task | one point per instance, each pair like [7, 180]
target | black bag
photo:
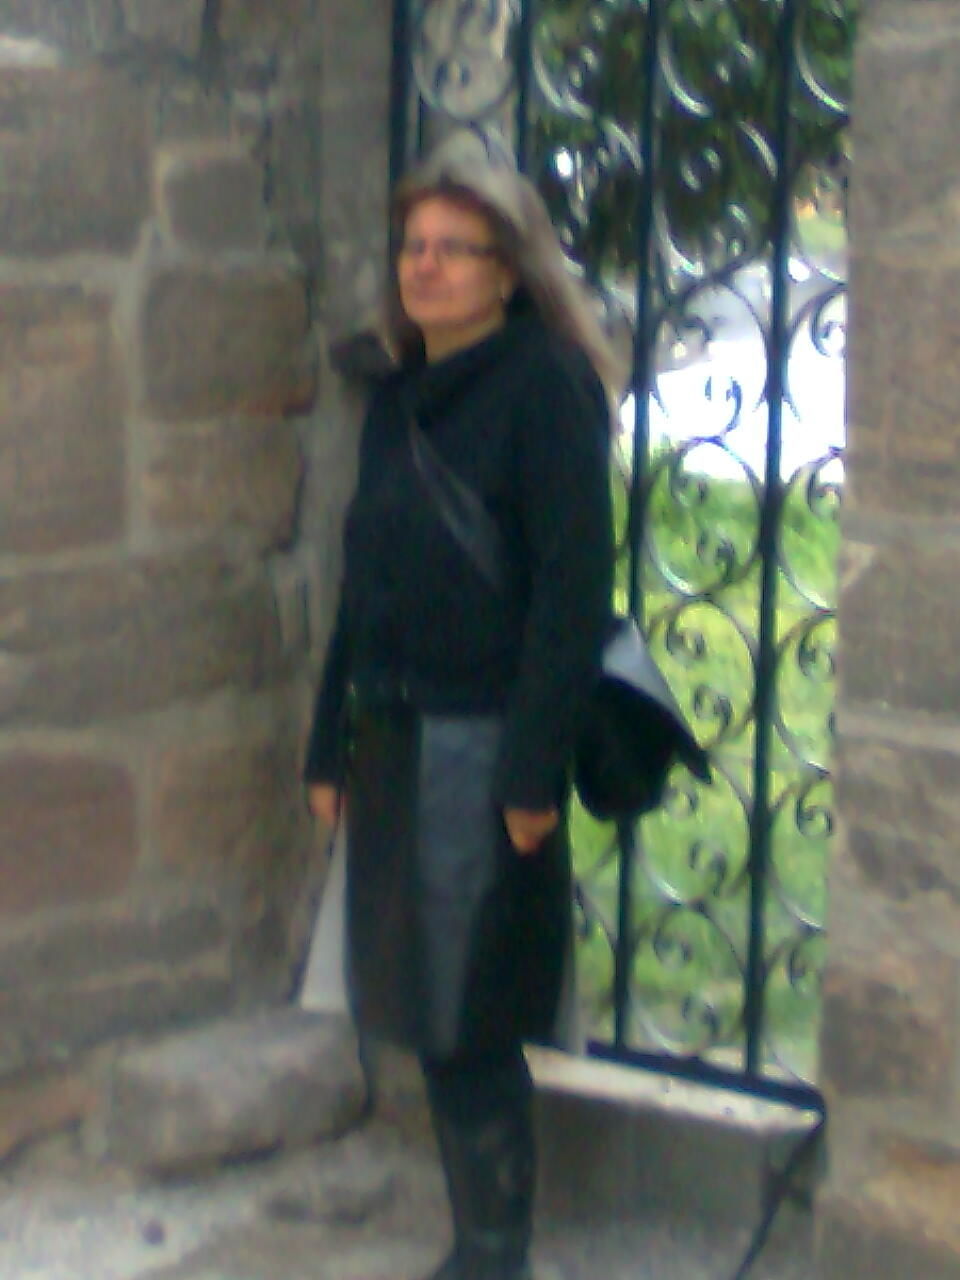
[633, 730]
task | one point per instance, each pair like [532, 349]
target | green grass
[691, 910]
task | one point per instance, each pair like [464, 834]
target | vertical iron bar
[637, 501]
[623, 956]
[524, 77]
[770, 515]
[400, 89]
[641, 375]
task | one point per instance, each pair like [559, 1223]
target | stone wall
[891, 1058]
[192, 204]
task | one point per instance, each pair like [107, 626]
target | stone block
[62, 447]
[93, 944]
[297, 201]
[186, 111]
[34, 1106]
[70, 981]
[27, 51]
[220, 812]
[867, 916]
[920, 1177]
[888, 1027]
[49, 1025]
[356, 52]
[906, 870]
[860, 1240]
[90, 645]
[904, 385]
[899, 1220]
[907, 161]
[230, 819]
[68, 831]
[64, 23]
[898, 619]
[170, 25]
[230, 340]
[210, 197]
[73, 155]
[250, 20]
[239, 480]
[901, 787]
[275, 1079]
[901, 807]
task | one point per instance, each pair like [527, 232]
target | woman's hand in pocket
[528, 828]
[324, 801]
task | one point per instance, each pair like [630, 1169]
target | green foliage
[691, 908]
[710, 81]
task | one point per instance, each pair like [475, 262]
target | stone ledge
[635, 1088]
[622, 1142]
[281, 1078]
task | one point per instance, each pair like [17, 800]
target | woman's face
[453, 285]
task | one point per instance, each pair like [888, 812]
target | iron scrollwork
[694, 156]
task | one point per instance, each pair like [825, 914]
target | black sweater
[522, 418]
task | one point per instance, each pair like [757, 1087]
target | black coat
[520, 417]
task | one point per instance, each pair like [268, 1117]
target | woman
[460, 698]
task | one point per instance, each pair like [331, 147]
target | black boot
[487, 1151]
[450, 1269]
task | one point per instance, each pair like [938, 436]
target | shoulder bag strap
[460, 508]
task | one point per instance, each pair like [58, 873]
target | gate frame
[408, 115]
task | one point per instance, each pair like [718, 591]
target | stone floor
[366, 1207]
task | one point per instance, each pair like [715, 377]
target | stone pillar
[188, 213]
[890, 1060]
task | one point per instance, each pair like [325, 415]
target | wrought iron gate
[693, 154]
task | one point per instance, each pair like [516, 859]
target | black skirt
[456, 943]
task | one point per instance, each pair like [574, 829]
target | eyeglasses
[446, 250]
